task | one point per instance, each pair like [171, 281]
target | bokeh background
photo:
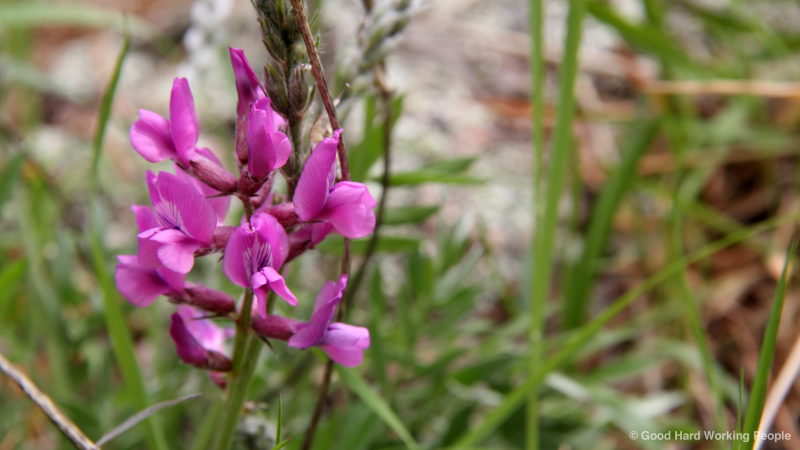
[696, 100]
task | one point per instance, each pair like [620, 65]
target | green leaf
[758, 392]
[514, 399]
[579, 284]
[371, 398]
[9, 176]
[367, 152]
[409, 214]
[389, 244]
[644, 37]
[11, 277]
[447, 172]
[121, 341]
[278, 430]
[38, 14]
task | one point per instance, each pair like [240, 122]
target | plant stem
[537, 69]
[322, 88]
[544, 239]
[245, 358]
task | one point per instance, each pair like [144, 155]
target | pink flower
[347, 206]
[158, 139]
[269, 148]
[254, 254]
[219, 203]
[247, 85]
[183, 223]
[141, 285]
[199, 342]
[345, 344]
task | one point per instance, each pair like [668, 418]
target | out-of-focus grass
[629, 338]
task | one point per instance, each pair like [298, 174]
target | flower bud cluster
[287, 78]
[188, 212]
[377, 38]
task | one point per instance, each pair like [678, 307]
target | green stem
[245, 358]
[537, 68]
[544, 239]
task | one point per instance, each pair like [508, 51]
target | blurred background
[686, 131]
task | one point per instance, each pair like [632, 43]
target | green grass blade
[581, 336]
[644, 37]
[579, 286]
[121, 341]
[37, 14]
[758, 391]
[544, 238]
[280, 416]
[537, 68]
[360, 387]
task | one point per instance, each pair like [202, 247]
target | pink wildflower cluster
[187, 221]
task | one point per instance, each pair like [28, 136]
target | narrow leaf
[140, 416]
[758, 392]
[360, 387]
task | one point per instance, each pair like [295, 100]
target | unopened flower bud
[285, 215]
[299, 89]
[273, 327]
[213, 175]
[207, 299]
[221, 236]
[276, 90]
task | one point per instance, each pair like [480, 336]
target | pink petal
[316, 179]
[145, 217]
[314, 331]
[277, 284]
[237, 248]
[148, 248]
[259, 140]
[283, 148]
[220, 205]
[349, 209]
[330, 291]
[343, 335]
[207, 333]
[139, 285]
[259, 281]
[247, 85]
[346, 356]
[181, 206]
[176, 251]
[273, 233]
[175, 280]
[184, 127]
[151, 138]
[189, 350]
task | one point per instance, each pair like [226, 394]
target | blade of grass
[37, 14]
[643, 37]
[140, 416]
[758, 392]
[121, 341]
[580, 283]
[372, 399]
[544, 238]
[581, 336]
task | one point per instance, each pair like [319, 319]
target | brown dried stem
[327, 100]
[64, 425]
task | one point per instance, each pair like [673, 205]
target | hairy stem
[322, 88]
[246, 348]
